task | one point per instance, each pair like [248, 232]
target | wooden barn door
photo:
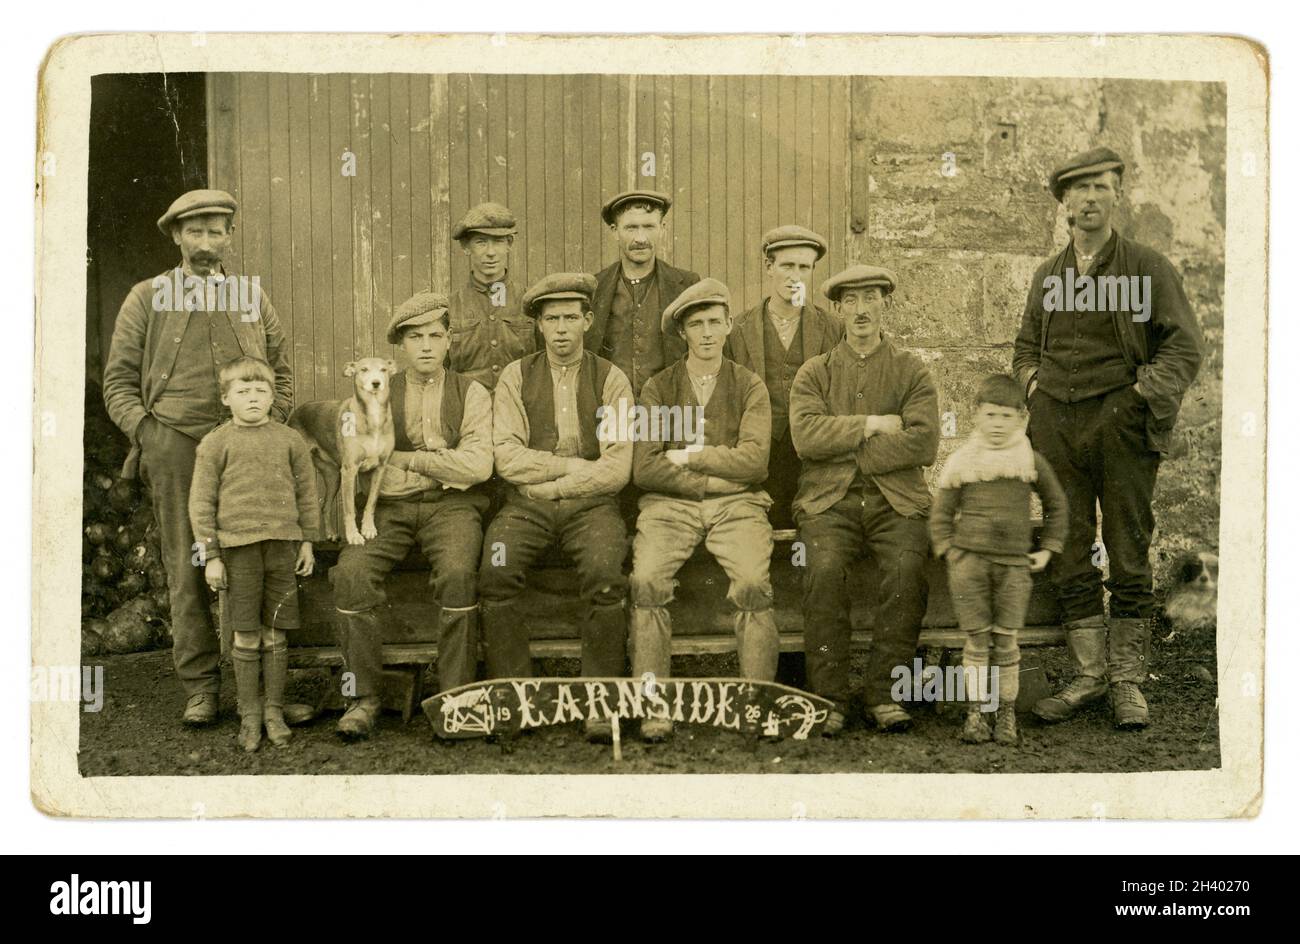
[348, 184]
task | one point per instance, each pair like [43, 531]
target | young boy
[253, 509]
[980, 524]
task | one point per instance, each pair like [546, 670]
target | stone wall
[948, 188]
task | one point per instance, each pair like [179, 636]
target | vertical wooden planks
[255, 178]
[440, 274]
[477, 114]
[420, 122]
[753, 164]
[399, 133]
[323, 166]
[859, 168]
[553, 90]
[574, 127]
[735, 239]
[362, 218]
[297, 241]
[516, 171]
[663, 146]
[801, 140]
[223, 152]
[343, 254]
[588, 208]
[535, 212]
[458, 165]
[837, 124]
[683, 171]
[697, 200]
[381, 213]
[496, 118]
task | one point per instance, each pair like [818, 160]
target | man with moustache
[775, 337]
[1104, 388]
[432, 495]
[708, 490]
[563, 486]
[488, 329]
[161, 388]
[631, 294]
[865, 420]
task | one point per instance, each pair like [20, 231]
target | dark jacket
[831, 398]
[672, 282]
[144, 347]
[1164, 351]
[821, 333]
[737, 432]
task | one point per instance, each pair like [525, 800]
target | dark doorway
[148, 145]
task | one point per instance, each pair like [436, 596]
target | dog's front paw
[355, 537]
[368, 529]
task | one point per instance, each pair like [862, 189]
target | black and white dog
[1193, 602]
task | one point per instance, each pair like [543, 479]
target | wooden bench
[701, 616]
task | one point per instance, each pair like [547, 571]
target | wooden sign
[507, 706]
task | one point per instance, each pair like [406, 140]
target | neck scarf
[977, 460]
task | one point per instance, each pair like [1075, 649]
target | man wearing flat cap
[703, 481]
[563, 481]
[161, 388]
[433, 496]
[865, 421]
[488, 328]
[631, 294]
[1107, 347]
[775, 337]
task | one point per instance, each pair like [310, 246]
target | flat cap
[196, 203]
[661, 200]
[859, 276]
[703, 292]
[786, 237]
[1097, 161]
[490, 218]
[420, 309]
[559, 285]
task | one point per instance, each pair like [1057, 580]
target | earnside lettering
[76, 897]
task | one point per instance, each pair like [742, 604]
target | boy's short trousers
[987, 594]
[261, 587]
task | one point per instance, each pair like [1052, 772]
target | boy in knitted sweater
[253, 509]
[980, 524]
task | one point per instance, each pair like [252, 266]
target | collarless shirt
[424, 409]
[564, 378]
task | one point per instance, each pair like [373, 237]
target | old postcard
[646, 426]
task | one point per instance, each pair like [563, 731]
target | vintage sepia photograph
[460, 413]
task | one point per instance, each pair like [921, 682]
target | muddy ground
[137, 732]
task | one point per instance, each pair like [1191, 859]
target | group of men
[785, 414]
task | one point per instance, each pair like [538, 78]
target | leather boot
[359, 721]
[248, 672]
[275, 668]
[363, 655]
[1129, 662]
[505, 640]
[1085, 639]
[650, 644]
